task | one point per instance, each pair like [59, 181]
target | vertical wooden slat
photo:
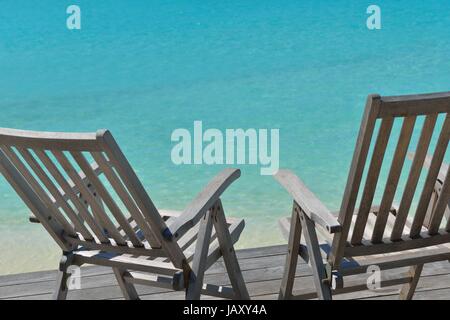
[98, 211]
[438, 157]
[290, 266]
[148, 209]
[393, 178]
[372, 179]
[39, 190]
[447, 215]
[199, 260]
[432, 204]
[25, 173]
[315, 258]
[188, 244]
[408, 289]
[74, 218]
[115, 182]
[354, 177]
[31, 199]
[128, 289]
[441, 205]
[413, 177]
[79, 205]
[106, 197]
[228, 253]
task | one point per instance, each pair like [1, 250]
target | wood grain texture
[361, 240]
[263, 281]
[52, 175]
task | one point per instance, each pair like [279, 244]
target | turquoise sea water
[145, 68]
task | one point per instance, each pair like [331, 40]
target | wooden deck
[262, 269]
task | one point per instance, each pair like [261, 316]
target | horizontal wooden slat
[49, 140]
[424, 104]
[388, 246]
[128, 262]
[262, 278]
[390, 261]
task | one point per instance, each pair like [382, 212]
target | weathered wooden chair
[100, 214]
[384, 235]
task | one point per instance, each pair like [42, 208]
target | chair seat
[360, 263]
[125, 261]
[325, 237]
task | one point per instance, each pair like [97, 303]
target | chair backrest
[381, 113]
[72, 182]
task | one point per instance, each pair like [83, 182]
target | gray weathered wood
[72, 195]
[44, 196]
[315, 258]
[306, 200]
[384, 237]
[128, 289]
[106, 198]
[229, 255]
[372, 180]
[432, 176]
[100, 215]
[199, 262]
[413, 177]
[290, 265]
[393, 179]
[354, 177]
[442, 204]
[94, 228]
[204, 200]
[427, 163]
[420, 104]
[63, 276]
[408, 289]
[262, 270]
[33, 202]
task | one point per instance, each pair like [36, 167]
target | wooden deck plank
[88, 271]
[262, 270]
[254, 269]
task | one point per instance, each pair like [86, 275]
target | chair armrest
[426, 164]
[203, 202]
[307, 201]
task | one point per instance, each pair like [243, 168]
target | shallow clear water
[145, 68]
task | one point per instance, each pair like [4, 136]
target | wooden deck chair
[385, 236]
[82, 189]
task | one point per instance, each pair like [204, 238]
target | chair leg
[290, 266]
[228, 253]
[408, 289]
[315, 258]
[128, 290]
[197, 273]
[63, 277]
